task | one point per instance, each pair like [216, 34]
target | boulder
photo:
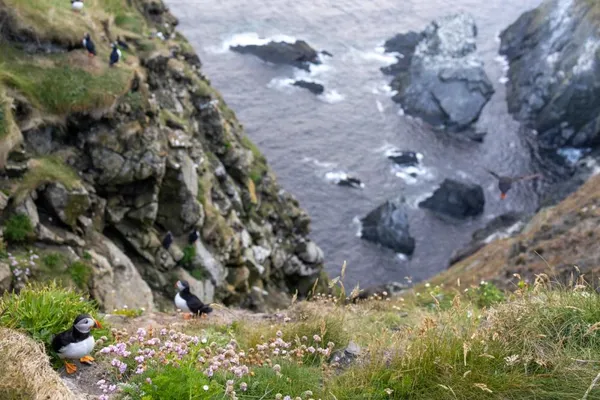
[29, 208]
[309, 252]
[313, 87]
[204, 259]
[298, 54]
[405, 158]
[67, 205]
[456, 199]
[553, 53]
[388, 225]
[440, 79]
[115, 281]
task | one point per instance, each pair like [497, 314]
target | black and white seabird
[89, 45]
[505, 182]
[168, 240]
[188, 302]
[193, 236]
[115, 55]
[77, 5]
[77, 342]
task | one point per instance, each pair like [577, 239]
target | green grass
[18, 229]
[81, 274]
[259, 167]
[129, 312]
[58, 85]
[46, 170]
[53, 260]
[45, 310]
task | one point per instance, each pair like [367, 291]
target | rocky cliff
[100, 162]
[554, 87]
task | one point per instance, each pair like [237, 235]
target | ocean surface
[307, 139]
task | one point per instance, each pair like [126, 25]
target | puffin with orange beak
[77, 342]
[505, 182]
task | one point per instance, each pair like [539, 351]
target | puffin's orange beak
[98, 325]
[502, 196]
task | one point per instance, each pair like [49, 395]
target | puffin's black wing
[527, 177]
[195, 305]
[62, 339]
[495, 175]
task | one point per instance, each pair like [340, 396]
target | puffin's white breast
[77, 349]
[181, 304]
[77, 5]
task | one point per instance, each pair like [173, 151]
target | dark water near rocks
[349, 128]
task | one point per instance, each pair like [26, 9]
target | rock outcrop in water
[388, 225]
[456, 199]
[313, 87]
[150, 147]
[554, 77]
[298, 54]
[439, 77]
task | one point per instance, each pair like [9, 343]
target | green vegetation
[53, 260]
[44, 310]
[129, 312]
[259, 167]
[18, 228]
[81, 273]
[46, 170]
[189, 253]
[63, 83]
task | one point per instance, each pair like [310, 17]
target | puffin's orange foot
[70, 368]
[187, 316]
[86, 360]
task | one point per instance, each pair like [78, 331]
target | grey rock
[29, 208]
[67, 205]
[293, 266]
[309, 252]
[116, 282]
[298, 54]
[388, 225]
[440, 79]
[554, 72]
[313, 87]
[5, 277]
[456, 199]
[345, 358]
[3, 201]
[206, 260]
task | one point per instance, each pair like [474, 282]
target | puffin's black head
[85, 322]
[182, 285]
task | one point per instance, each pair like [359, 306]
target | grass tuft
[46, 170]
[18, 229]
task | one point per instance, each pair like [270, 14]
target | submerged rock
[456, 199]
[439, 77]
[298, 54]
[553, 85]
[313, 87]
[405, 158]
[388, 225]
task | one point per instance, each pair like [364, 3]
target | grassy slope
[554, 241]
[435, 344]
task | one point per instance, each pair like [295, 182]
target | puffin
[188, 302]
[77, 5]
[115, 55]
[168, 240]
[193, 236]
[505, 182]
[77, 342]
[89, 45]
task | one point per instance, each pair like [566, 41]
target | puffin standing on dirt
[77, 342]
[505, 182]
[89, 45]
[193, 236]
[167, 240]
[115, 55]
[189, 303]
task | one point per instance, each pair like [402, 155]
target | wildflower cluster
[21, 267]
[140, 360]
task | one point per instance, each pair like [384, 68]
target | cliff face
[104, 161]
[554, 76]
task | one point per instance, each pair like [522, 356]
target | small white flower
[428, 284]
[205, 387]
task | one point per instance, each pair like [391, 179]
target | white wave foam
[356, 221]
[250, 38]
[503, 80]
[320, 164]
[401, 257]
[380, 107]
[332, 97]
[394, 151]
[413, 202]
[338, 176]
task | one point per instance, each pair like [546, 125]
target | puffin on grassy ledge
[77, 342]
[188, 302]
